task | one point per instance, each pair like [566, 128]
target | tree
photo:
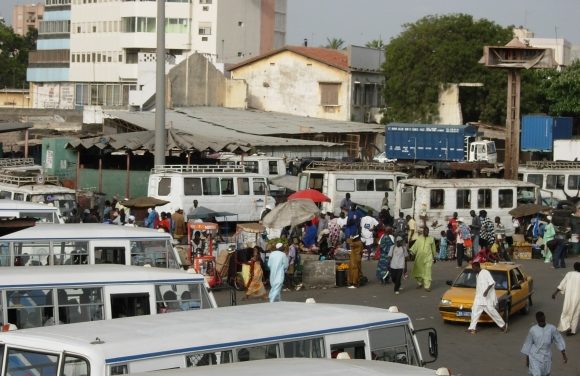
[376, 43]
[562, 90]
[14, 56]
[334, 43]
[439, 50]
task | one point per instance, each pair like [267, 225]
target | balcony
[53, 58]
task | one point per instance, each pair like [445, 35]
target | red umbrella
[310, 194]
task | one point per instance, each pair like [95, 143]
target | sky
[359, 21]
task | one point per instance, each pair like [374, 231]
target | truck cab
[482, 151]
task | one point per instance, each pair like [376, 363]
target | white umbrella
[291, 213]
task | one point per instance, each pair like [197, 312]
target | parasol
[144, 202]
[291, 213]
[201, 212]
[529, 209]
[310, 194]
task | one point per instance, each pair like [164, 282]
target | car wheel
[526, 308]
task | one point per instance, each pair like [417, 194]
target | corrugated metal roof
[274, 123]
[14, 126]
[215, 135]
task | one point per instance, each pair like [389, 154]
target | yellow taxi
[513, 288]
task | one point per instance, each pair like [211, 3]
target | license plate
[462, 314]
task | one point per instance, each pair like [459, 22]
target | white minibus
[84, 243]
[367, 183]
[307, 367]
[557, 179]
[433, 201]
[52, 295]
[223, 189]
[22, 180]
[41, 212]
[221, 335]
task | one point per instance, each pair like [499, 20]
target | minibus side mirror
[433, 345]
[449, 282]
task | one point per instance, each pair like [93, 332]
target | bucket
[341, 279]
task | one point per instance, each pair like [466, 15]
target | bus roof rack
[10, 177]
[555, 165]
[16, 162]
[342, 166]
[188, 169]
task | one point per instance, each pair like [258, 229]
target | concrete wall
[449, 106]
[289, 83]
[14, 99]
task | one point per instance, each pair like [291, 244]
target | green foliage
[334, 43]
[375, 43]
[562, 90]
[438, 50]
[14, 56]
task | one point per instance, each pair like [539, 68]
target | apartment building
[26, 17]
[111, 44]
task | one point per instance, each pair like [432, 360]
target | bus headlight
[446, 302]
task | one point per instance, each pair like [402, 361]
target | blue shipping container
[537, 133]
[426, 141]
[562, 128]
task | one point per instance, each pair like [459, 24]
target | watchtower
[514, 57]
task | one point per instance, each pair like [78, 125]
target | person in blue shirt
[310, 235]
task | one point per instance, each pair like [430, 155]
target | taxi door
[519, 289]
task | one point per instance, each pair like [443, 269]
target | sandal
[471, 331]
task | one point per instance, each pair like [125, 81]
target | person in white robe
[278, 264]
[570, 287]
[538, 347]
[485, 299]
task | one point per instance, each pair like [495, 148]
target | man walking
[485, 300]
[570, 287]
[475, 228]
[398, 256]
[278, 264]
[368, 223]
[538, 347]
[400, 227]
[424, 251]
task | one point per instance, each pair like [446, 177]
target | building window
[329, 93]
[205, 1]
[205, 8]
[204, 28]
[204, 39]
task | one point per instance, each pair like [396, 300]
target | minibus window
[484, 198]
[463, 199]
[344, 185]
[23, 362]
[390, 344]
[526, 195]
[80, 305]
[110, 255]
[437, 199]
[259, 187]
[19, 196]
[273, 167]
[537, 179]
[164, 187]
[1, 356]
[365, 185]
[74, 366]
[129, 305]
[257, 353]
[356, 350]
[317, 182]
[192, 186]
[120, 369]
[384, 185]
[71, 253]
[211, 186]
[307, 348]
[5, 195]
[555, 181]
[303, 182]
[243, 186]
[182, 297]
[407, 198]
[574, 182]
[30, 308]
[31, 253]
[227, 186]
[506, 198]
[201, 359]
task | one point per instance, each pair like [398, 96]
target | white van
[67, 294]
[433, 201]
[22, 180]
[557, 179]
[367, 183]
[88, 243]
[219, 188]
[257, 163]
[18, 209]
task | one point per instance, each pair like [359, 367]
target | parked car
[513, 288]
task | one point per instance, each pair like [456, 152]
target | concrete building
[110, 45]
[562, 47]
[316, 82]
[26, 17]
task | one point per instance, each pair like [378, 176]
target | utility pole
[160, 134]
[514, 57]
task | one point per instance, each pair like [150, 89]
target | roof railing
[7, 177]
[16, 162]
[354, 166]
[192, 169]
[555, 165]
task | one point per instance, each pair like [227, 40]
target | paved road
[489, 352]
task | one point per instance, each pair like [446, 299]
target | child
[450, 235]
[443, 247]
